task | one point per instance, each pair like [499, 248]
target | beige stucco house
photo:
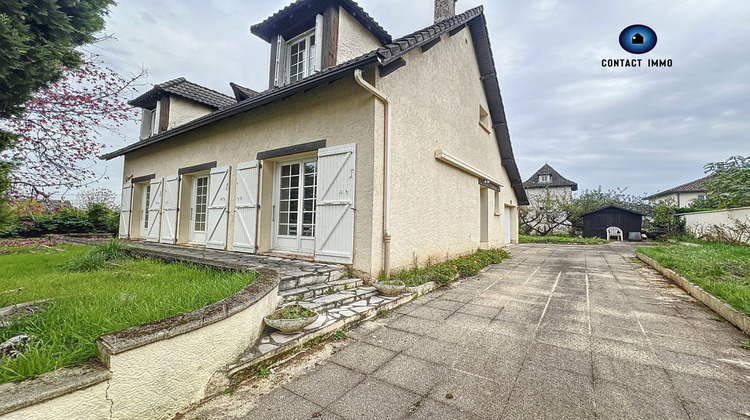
[363, 150]
[681, 195]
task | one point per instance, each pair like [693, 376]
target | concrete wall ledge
[132, 338]
[49, 385]
[152, 371]
[737, 318]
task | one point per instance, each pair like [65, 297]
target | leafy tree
[663, 218]
[545, 214]
[729, 183]
[59, 131]
[37, 40]
[103, 196]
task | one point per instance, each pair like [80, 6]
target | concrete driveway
[556, 332]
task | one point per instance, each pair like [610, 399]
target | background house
[363, 150]
[545, 187]
[681, 195]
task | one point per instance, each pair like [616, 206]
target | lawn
[722, 270]
[125, 293]
[559, 239]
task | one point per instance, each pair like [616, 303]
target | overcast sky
[644, 129]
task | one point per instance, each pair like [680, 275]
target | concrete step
[309, 292]
[296, 280]
[327, 302]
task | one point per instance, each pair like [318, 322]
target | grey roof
[241, 93]
[692, 186]
[556, 180]
[614, 207]
[188, 90]
[269, 27]
[474, 19]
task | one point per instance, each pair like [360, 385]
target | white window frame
[545, 178]
[310, 65]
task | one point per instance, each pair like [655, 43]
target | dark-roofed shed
[595, 223]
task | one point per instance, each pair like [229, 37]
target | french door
[199, 209]
[145, 203]
[295, 192]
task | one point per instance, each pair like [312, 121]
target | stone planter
[390, 289]
[289, 325]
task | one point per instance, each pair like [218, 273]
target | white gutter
[386, 167]
[466, 167]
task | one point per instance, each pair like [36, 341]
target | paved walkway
[556, 332]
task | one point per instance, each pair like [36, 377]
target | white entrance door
[507, 224]
[145, 203]
[295, 206]
[199, 209]
[246, 207]
[335, 241]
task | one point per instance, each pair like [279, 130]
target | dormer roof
[556, 180]
[241, 93]
[185, 89]
[297, 12]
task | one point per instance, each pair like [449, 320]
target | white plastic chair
[614, 231]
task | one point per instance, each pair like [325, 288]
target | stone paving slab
[635, 347]
[293, 273]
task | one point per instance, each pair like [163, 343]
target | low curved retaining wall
[152, 371]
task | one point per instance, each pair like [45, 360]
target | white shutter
[125, 211]
[146, 124]
[334, 228]
[169, 220]
[218, 199]
[279, 76]
[318, 43]
[246, 207]
[154, 211]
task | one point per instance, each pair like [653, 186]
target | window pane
[309, 205]
[283, 218]
[294, 195]
[284, 206]
[283, 230]
[295, 169]
[293, 206]
[295, 182]
[307, 218]
[309, 192]
[284, 194]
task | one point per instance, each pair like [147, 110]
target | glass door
[294, 210]
[145, 203]
[198, 210]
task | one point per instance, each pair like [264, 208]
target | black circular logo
[638, 39]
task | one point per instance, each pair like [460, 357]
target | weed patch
[87, 304]
[720, 269]
[445, 272]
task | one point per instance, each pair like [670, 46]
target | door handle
[273, 213]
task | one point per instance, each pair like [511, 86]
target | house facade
[544, 186]
[364, 150]
[681, 195]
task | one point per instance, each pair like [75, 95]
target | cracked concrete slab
[569, 332]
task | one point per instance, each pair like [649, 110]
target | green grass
[124, 293]
[445, 272]
[559, 239]
[722, 270]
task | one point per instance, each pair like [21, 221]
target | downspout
[386, 167]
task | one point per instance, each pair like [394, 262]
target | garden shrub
[102, 218]
[97, 218]
[445, 272]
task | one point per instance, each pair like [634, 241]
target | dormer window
[301, 58]
[150, 121]
[545, 179]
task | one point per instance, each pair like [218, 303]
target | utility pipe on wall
[386, 167]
